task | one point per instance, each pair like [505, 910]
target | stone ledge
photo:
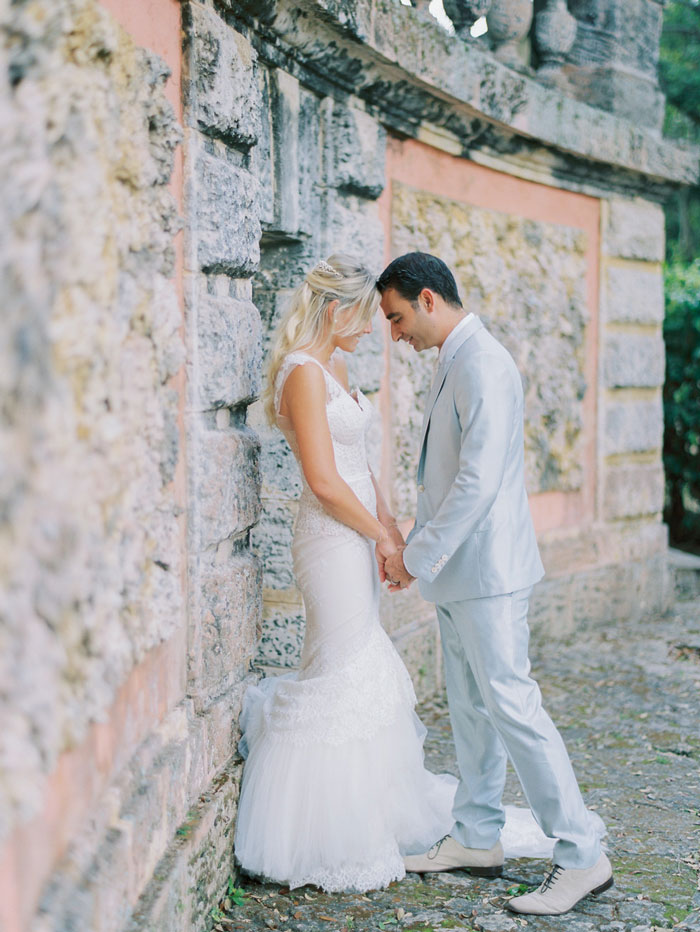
[409, 67]
[564, 554]
[567, 605]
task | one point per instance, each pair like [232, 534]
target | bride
[334, 790]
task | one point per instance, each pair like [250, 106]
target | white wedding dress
[334, 788]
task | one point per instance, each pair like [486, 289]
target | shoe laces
[551, 878]
[433, 853]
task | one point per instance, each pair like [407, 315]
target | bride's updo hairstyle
[306, 324]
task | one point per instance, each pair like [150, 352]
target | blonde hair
[306, 324]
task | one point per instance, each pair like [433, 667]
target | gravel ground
[626, 700]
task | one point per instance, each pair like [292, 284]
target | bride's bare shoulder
[304, 385]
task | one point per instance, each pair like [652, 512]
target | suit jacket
[473, 535]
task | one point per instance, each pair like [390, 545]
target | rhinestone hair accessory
[324, 266]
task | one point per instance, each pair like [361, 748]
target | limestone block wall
[90, 555]
[130, 598]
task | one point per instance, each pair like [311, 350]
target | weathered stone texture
[229, 351]
[222, 92]
[411, 378]
[636, 489]
[526, 280]
[223, 200]
[616, 52]
[89, 544]
[359, 147]
[634, 229]
[226, 484]
[633, 294]
[272, 539]
[634, 360]
[633, 426]
[282, 631]
[229, 623]
[567, 604]
[321, 164]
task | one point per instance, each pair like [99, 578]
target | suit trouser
[496, 712]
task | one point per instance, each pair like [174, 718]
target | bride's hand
[385, 547]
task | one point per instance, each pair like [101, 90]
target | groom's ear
[426, 300]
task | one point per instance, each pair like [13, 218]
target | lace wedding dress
[334, 789]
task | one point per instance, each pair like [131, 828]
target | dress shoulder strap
[290, 362]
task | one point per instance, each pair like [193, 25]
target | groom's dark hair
[414, 271]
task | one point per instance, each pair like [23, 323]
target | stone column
[632, 360]
[222, 236]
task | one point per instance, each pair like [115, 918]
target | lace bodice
[348, 420]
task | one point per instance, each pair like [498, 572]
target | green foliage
[682, 403]
[235, 894]
[679, 74]
[519, 889]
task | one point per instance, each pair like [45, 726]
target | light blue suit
[474, 552]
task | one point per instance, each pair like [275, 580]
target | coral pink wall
[422, 166]
[158, 682]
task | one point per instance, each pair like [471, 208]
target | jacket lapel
[441, 375]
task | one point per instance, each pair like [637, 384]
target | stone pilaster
[223, 115]
[632, 362]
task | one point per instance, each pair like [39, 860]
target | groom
[474, 553]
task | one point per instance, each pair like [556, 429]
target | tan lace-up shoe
[447, 855]
[563, 888]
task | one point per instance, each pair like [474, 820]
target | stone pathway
[627, 701]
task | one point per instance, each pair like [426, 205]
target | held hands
[388, 552]
[396, 572]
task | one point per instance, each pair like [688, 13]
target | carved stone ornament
[464, 13]
[555, 32]
[509, 22]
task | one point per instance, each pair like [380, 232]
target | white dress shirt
[452, 339]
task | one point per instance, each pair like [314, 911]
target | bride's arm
[383, 510]
[384, 514]
[304, 402]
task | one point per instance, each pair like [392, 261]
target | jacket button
[421, 488]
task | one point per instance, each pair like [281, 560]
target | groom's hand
[396, 572]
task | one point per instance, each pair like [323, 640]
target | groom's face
[408, 320]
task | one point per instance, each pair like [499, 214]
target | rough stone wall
[222, 234]
[526, 280]
[322, 166]
[89, 543]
